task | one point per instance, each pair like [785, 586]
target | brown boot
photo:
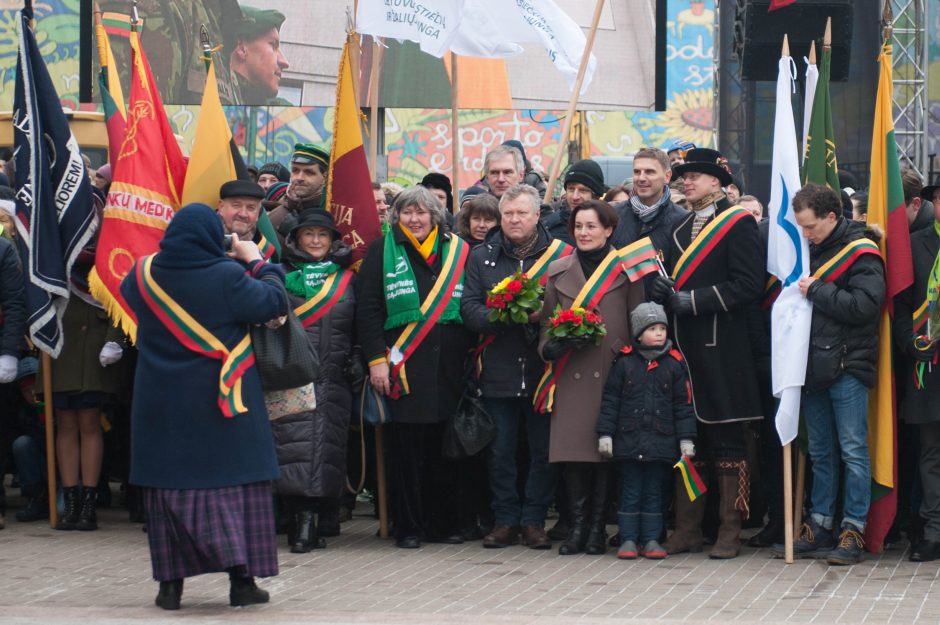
[732, 506]
[689, 514]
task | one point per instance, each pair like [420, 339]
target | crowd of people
[603, 385]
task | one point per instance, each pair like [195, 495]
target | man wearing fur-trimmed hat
[717, 273]
[309, 168]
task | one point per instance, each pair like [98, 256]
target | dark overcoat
[714, 339]
[436, 368]
[311, 445]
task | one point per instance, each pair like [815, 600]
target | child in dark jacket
[646, 418]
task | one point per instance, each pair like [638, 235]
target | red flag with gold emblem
[145, 192]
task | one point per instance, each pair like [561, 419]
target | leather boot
[728, 544]
[69, 518]
[305, 532]
[577, 491]
[170, 594]
[597, 537]
[243, 591]
[689, 514]
[88, 516]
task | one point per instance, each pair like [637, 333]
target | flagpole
[50, 439]
[455, 129]
[573, 103]
[378, 53]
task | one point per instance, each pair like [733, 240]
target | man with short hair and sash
[717, 274]
[508, 368]
[239, 208]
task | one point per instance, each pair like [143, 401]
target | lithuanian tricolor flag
[112, 96]
[349, 186]
[886, 208]
[694, 486]
[144, 195]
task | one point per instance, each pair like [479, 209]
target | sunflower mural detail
[689, 115]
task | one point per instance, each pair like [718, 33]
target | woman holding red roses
[582, 363]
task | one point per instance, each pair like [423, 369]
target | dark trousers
[511, 507]
[640, 516]
[422, 481]
[930, 479]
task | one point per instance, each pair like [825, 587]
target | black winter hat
[588, 173]
[315, 217]
[436, 180]
[241, 188]
[278, 170]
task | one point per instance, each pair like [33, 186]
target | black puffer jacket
[311, 445]
[846, 312]
[511, 364]
[647, 407]
[12, 300]
[556, 222]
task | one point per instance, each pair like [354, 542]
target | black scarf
[590, 260]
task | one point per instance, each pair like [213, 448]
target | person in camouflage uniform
[255, 58]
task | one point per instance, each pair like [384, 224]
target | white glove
[687, 448]
[7, 368]
[605, 446]
[110, 353]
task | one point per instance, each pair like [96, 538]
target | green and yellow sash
[839, 264]
[194, 336]
[330, 294]
[705, 242]
[538, 271]
[447, 286]
[588, 297]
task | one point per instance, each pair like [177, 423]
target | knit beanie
[277, 170]
[645, 315]
[588, 173]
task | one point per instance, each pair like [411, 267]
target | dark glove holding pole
[680, 303]
[661, 289]
[922, 349]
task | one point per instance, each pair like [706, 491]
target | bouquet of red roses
[576, 323]
[514, 298]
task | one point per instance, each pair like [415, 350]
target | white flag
[788, 260]
[812, 77]
[431, 27]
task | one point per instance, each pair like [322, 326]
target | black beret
[241, 188]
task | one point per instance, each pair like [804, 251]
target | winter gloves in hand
[7, 368]
[110, 353]
[687, 448]
[605, 446]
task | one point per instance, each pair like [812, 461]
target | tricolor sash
[839, 264]
[705, 242]
[450, 279]
[539, 270]
[266, 247]
[194, 336]
[771, 291]
[588, 297]
[331, 293]
[920, 317]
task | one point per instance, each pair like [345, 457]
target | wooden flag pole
[787, 449]
[573, 103]
[454, 131]
[50, 439]
[800, 488]
[380, 486]
[378, 53]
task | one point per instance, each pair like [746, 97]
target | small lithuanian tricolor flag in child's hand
[690, 477]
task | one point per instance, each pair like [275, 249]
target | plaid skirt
[210, 530]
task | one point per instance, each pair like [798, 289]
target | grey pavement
[103, 578]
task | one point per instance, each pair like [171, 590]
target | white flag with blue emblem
[788, 260]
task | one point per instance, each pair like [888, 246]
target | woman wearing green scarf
[311, 445]
[422, 373]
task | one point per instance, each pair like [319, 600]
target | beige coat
[578, 390]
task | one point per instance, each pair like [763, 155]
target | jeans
[640, 516]
[837, 419]
[30, 463]
[509, 506]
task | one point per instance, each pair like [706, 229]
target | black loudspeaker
[758, 34]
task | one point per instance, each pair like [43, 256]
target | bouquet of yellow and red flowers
[514, 298]
[576, 323]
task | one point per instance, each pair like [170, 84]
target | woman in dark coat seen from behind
[311, 445]
[206, 475]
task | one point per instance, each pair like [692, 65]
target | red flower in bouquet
[576, 323]
[514, 298]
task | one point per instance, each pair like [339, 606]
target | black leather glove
[680, 303]
[556, 348]
[355, 372]
[921, 355]
[531, 332]
[661, 289]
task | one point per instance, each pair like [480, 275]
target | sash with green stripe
[330, 294]
[920, 317]
[771, 291]
[538, 271]
[266, 247]
[588, 297]
[194, 336]
[450, 279]
[705, 242]
[839, 264]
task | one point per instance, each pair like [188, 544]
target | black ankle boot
[305, 532]
[69, 518]
[170, 593]
[88, 516]
[243, 591]
[36, 509]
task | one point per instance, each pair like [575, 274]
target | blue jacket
[179, 436]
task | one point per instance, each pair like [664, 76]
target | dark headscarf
[194, 239]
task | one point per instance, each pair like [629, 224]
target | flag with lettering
[349, 187]
[820, 165]
[145, 192]
[55, 215]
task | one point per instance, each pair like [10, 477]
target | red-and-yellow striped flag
[145, 193]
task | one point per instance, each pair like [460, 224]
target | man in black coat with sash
[717, 273]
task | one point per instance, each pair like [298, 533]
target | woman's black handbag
[285, 357]
[470, 430]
